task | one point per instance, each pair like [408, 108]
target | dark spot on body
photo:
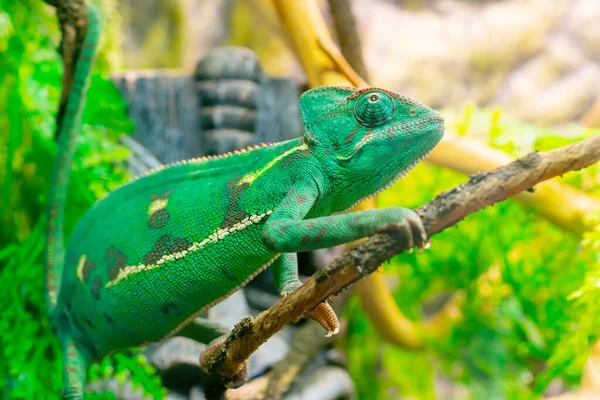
[301, 199]
[96, 285]
[163, 196]
[109, 319]
[335, 145]
[178, 245]
[226, 273]
[90, 324]
[234, 192]
[77, 323]
[168, 308]
[116, 260]
[158, 219]
[305, 239]
[88, 267]
[390, 132]
[355, 221]
[289, 159]
[350, 137]
[157, 251]
[321, 234]
[269, 242]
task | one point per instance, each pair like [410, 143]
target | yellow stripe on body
[219, 234]
[80, 267]
[251, 177]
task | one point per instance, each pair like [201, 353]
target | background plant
[531, 288]
[30, 78]
[521, 327]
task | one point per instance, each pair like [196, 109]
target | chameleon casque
[146, 260]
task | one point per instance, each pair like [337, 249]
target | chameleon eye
[374, 109]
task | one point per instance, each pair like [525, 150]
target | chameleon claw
[427, 244]
[410, 250]
[334, 332]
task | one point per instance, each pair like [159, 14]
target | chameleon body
[147, 259]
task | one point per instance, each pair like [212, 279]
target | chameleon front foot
[208, 357]
[411, 227]
[326, 317]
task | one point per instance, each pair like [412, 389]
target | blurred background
[504, 306]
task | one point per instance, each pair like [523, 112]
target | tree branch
[375, 296]
[482, 190]
[73, 25]
[347, 34]
[307, 342]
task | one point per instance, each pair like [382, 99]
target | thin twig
[347, 35]
[482, 190]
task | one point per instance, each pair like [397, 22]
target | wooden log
[164, 107]
[228, 104]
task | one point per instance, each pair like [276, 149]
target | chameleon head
[367, 138]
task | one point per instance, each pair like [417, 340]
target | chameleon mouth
[366, 139]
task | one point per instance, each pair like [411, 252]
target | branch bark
[273, 386]
[375, 296]
[482, 190]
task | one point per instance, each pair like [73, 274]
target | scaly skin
[147, 259]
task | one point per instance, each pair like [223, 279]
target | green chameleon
[147, 260]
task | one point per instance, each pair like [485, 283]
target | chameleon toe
[208, 355]
[326, 317]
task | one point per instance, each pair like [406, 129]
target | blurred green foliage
[531, 289]
[30, 78]
[530, 314]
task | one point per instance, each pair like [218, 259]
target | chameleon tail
[67, 131]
